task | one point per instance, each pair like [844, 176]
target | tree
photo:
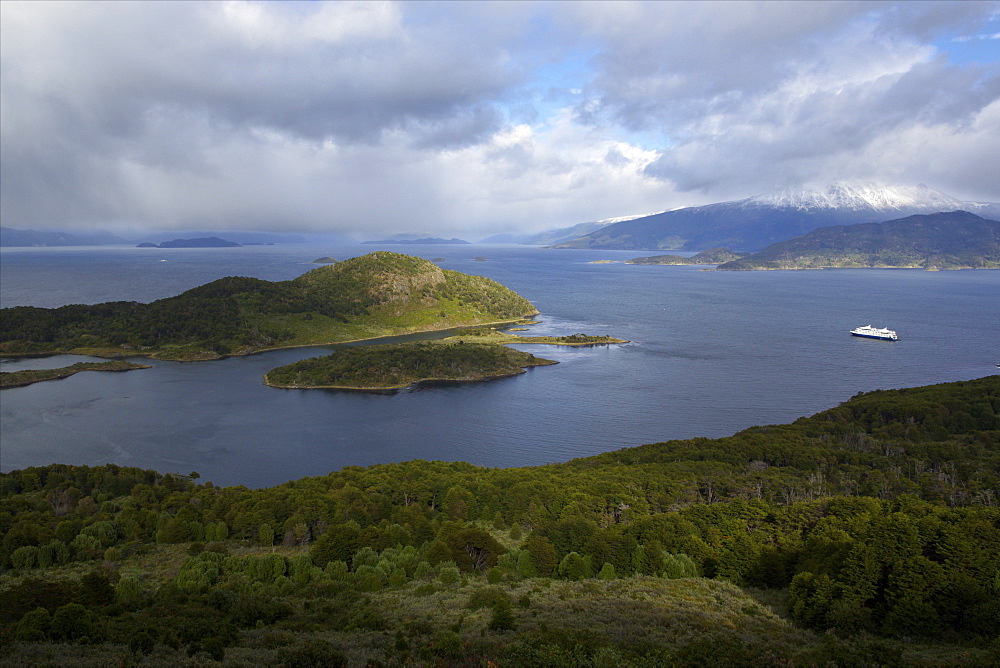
[543, 554]
[266, 534]
[607, 572]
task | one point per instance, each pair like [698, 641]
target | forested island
[388, 367]
[710, 256]
[378, 294]
[28, 376]
[473, 355]
[955, 240]
[867, 534]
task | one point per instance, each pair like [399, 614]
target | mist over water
[711, 353]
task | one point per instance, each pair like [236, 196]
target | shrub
[71, 622]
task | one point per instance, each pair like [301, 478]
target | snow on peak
[858, 196]
[622, 219]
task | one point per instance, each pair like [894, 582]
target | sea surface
[710, 353]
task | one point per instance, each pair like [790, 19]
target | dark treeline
[876, 517]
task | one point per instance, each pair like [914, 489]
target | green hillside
[868, 534]
[378, 294]
[956, 240]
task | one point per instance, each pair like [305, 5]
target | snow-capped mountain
[756, 222]
[859, 196]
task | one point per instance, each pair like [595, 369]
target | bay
[711, 353]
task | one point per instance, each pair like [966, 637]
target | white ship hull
[869, 332]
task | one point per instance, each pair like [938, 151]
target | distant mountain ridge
[557, 235]
[953, 240]
[11, 237]
[754, 223]
[427, 240]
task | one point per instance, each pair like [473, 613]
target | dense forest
[373, 295]
[868, 534]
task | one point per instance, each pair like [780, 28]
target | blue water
[711, 353]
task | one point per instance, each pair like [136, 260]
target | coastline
[206, 356]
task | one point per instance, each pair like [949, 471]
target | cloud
[753, 96]
[471, 118]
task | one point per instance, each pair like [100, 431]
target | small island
[476, 354]
[396, 366]
[324, 260]
[504, 337]
[9, 379]
[710, 256]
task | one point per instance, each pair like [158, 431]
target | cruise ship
[875, 333]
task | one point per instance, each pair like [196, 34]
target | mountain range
[556, 235]
[754, 223]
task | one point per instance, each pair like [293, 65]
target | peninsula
[375, 295]
[9, 379]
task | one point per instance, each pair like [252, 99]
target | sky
[474, 118]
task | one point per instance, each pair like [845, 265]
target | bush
[487, 597]
[71, 622]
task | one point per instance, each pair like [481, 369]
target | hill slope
[955, 240]
[756, 222]
[378, 294]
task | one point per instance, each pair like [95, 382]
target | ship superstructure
[870, 332]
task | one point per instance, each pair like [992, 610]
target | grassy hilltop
[868, 534]
[375, 295]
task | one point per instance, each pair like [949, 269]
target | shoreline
[115, 354]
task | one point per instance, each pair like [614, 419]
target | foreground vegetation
[29, 376]
[378, 294]
[868, 534]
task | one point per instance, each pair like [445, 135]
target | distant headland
[204, 242]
